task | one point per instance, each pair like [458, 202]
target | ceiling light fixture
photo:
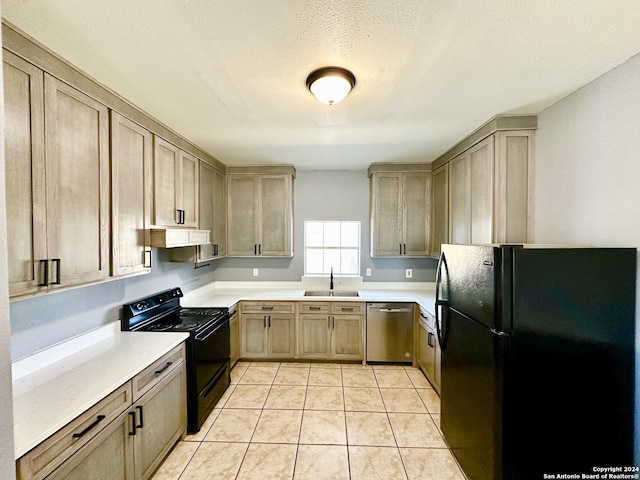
[330, 85]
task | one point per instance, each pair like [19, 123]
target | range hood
[179, 237]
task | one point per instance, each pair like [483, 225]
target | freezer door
[472, 396]
[470, 278]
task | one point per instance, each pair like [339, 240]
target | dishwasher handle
[394, 310]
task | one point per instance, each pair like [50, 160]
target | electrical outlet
[408, 273]
[255, 272]
[368, 272]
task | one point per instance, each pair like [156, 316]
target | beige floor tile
[363, 399]
[402, 400]
[278, 426]
[273, 462]
[321, 365]
[215, 461]
[358, 365]
[322, 427]
[176, 462]
[290, 397]
[248, 396]
[388, 367]
[324, 398]
[367, 428]
[237, 372]
[430, 398]
[292, 376]
[295, 365]
[233, 426]
[417, 377]
[375, 463]
[198, 437]
[326, 377]
[430, 464]
[267, 364]
[225, 396]
[392, 378]
[416, 430]
[322, 462]
[436, 420]
[354, 377]
[258, 376]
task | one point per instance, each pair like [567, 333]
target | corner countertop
[228, 294]
[54, 386]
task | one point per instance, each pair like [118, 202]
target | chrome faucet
[331, 281]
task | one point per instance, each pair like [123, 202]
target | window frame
[336, 273]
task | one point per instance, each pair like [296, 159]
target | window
[330, 245]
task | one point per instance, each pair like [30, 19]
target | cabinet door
[131, 191]
[25, 174]
[275, 215]
[315, 335]
[253, 328]
[281, 335]
[188, 187]
[77, 164]
[166, 170]
[426, 352]
[242, 215]
[416, 213]
[459, 199]
[212, 212]
[108, 456]
[481, 194]
[347, 337]
[234, 337]
[161, 418]
[440, 215]
[386, 214]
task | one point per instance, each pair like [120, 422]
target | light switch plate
[368, 272]
[255, 272]
[408, 273]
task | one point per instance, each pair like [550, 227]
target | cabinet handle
[314, 308]
[400, 248]
[405, 248]
[141, 424]
[147, 256]
[132, 415]
[259, 249]
[267, 308]
[347, 309]
[429, 337]
[215, 249]
[255, 248]
[98, 419]
[163, 369]
[264, 321]
[45, 273]
[333, 323]
[269, 318]
[178, 212]
[328, 323]
[56, 261]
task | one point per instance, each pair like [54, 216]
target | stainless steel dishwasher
[390, 332]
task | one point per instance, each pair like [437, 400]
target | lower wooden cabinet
[124, 436]
[267, 329]
[234, 336]
[330, 330]
[429, 349]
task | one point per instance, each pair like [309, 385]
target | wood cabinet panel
[212, 212]
[189, 175]
[440, 215]
[347, 337]
[315, 335]
[459, 187]
[281, 335]
[234, 337]
[131, 193]
[253, 328]
[387, 214]
[77, 165]
[25, 173]
[275, 205]
[166, 158]
[242, 215]
[481, 198]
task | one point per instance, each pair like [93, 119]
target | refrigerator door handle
[442, 264]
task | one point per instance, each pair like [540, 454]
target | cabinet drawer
[313, 307]
[427, 319]
[47, 456]
[267, 307]
[158, 370]
[347, 307]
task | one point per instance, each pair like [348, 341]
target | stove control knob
[141, 306]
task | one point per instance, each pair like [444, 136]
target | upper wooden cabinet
[57, 171]
[131, 192]
[400, 210]
[176, 185]
[259, 214]
[212, 213]
[486, 182]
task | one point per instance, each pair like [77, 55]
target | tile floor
[318, 421]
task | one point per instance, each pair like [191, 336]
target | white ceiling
[229, 75]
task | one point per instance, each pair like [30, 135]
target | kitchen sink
[331, 293]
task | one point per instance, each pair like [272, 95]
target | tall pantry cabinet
[57, 157]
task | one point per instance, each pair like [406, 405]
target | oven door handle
[202, 336]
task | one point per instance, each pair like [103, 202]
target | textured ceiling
[229, 75]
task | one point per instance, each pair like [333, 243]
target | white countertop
[54, 386]
[228, 294]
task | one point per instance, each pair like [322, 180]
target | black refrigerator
[538, 353]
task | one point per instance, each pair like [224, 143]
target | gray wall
[587, 180]
[327, 195]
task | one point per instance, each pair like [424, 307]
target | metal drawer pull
[429, 337]
[45, 283]
[56, 261]
[141, 424]
[347, 309]
[267, 308]
[163, 369]
[99, 418]
[314, 308]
